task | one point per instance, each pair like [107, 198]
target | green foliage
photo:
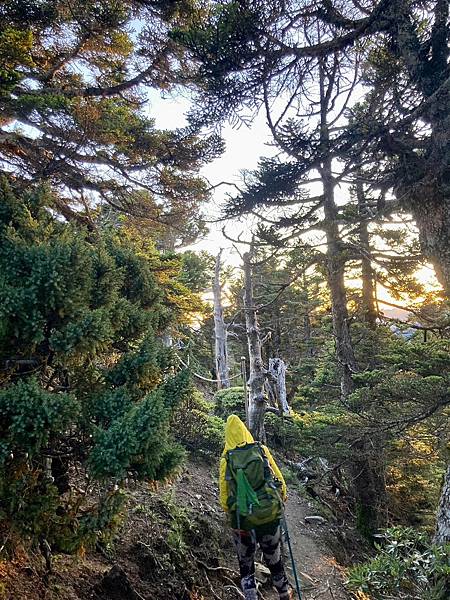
[230, 401]
[307, 433]
[414, 473]
[197, 270]
[222, 40]
[30, 416]
[138, 441]
[196, 428]
[406, 394]
[97, 523]
[85, 379]
[118, 156]
[15, 47]
[407, 566]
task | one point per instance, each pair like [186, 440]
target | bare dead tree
[220, 331]
[277, 381]
[256, 400]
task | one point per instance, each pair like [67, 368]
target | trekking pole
[288, 539]
[291, 554]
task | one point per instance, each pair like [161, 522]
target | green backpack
[253, 495]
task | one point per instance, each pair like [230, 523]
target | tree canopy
[75, 81]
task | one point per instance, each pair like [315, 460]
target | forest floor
[174, 544]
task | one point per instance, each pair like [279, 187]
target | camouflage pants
[269, 540]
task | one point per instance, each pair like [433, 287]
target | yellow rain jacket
[237, 434]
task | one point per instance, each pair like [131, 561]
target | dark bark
[368, 280]
[336, 283]
[368, 479]
[60, 473]
[256, 401]
[344, 348]
[335, 255]
[220, 332]
[432, 215]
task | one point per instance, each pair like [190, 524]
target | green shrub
[29, 416]
[306, 434]
[86, 385]
[230, 401]
[284, 432]
[407, 566]
[194, 426]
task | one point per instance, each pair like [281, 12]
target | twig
[234, 587]
[211, 588]
[330, 590]
[260, 594]
[320, 593]
[5, 542]
[205, 566]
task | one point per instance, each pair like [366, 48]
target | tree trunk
[442, 535]
[365, 468]
[368, 474]
[336, 283]
[220, 332]
[307, 326]
[335, 253]
[277, 371]
[368, 480]
[432, 216]
[367, 275]
[256, 401]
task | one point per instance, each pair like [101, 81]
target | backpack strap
[228, 473]
[268, 473]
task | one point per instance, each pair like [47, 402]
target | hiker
[252, 490]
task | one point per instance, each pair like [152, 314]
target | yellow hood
[236, 433]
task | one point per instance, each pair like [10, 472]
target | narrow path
[320, 576]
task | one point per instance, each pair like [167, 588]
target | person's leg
[246, 547]
[270, 543]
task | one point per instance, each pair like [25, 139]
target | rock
[116, 585]
[262, 573]
[315, 519]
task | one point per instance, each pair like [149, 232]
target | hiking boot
[289, 595]
[250, 594]
[248, 585]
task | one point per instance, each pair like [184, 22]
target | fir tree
[85, 380]
[74, 87]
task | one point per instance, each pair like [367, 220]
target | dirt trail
[320, 575]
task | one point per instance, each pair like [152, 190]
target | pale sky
[244, 147]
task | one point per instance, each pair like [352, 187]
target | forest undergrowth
[173, 543]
